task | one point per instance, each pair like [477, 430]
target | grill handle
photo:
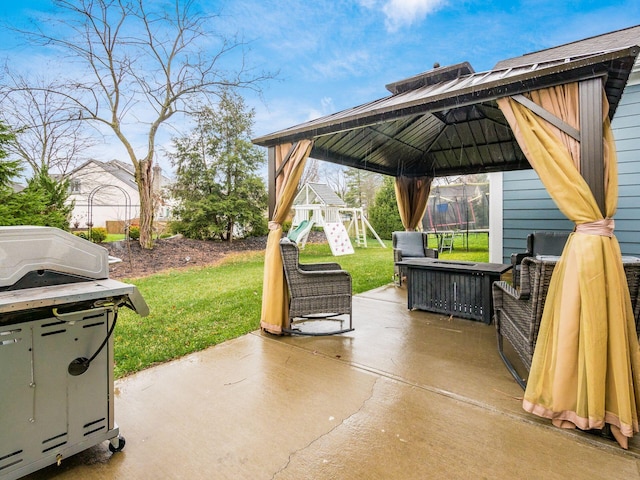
[73, 317]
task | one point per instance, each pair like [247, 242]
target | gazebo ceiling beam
[396, 140]
[548, 116]
[348, 161]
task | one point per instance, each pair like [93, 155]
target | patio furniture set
[472, 290]
[407, 246]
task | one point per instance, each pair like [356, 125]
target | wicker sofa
[317, 291]
[408, 245]
[517, 313]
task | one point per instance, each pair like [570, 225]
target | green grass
[114, 237]
[189, 311]
[193, 309]
[478, 250]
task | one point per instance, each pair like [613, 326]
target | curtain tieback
[603, 227]
[274, 225]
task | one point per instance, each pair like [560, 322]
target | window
[74, 186]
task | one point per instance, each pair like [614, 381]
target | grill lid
[42, 268]
[26, 249]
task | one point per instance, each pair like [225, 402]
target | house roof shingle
[607, 42]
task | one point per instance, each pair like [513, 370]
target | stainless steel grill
[58, 310]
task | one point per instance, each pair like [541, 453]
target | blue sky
[333, 55]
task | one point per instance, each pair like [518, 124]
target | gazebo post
[271, 167]
[591, 138]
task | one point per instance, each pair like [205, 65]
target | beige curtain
[586, 362]
[275, 297]
[412, 194]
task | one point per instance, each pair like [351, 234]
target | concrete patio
[407, 395]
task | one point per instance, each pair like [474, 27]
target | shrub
[258, 228]
[98, 234]
[175, 227]
[134, 233]
[383, 214]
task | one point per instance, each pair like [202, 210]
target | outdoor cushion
[548, 243]
[408, 245]
[539, 244]
[411, 244]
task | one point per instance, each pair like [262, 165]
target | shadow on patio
[406, 395]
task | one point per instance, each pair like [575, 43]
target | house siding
[114, 194]
[527, 206]
[626, 131]
[114, 199]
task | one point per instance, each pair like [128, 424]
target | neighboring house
[527, 207]
[107, 192]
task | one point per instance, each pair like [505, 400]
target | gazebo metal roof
[446, 121]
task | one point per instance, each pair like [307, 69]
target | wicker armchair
[517, 314]
[408, 245]
[317, 291]
[538, 243]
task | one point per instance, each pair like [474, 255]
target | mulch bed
[174, 252]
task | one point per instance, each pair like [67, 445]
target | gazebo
[553, 116]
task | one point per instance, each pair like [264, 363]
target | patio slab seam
[582, 437]
[325, 434]
[366, 295]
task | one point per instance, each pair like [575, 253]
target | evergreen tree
[217, 184]
[362, 187]
[42, 202]
[383, 214]
[9, 169]
[48, 197]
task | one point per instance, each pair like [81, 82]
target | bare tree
[143, 63]
[48, 135]
[334, 177]
[311, 173]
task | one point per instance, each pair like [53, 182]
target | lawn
[200, 307]
[114, 237]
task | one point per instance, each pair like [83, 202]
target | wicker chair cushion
[411, 244]
[548, 243]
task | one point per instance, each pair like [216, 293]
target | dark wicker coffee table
[462, 289]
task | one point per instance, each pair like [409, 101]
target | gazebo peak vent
[436, 75]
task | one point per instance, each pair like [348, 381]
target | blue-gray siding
[527, 206]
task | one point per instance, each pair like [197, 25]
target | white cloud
[343, 64]
[401, 13]
[327, 105]
[313, 113]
